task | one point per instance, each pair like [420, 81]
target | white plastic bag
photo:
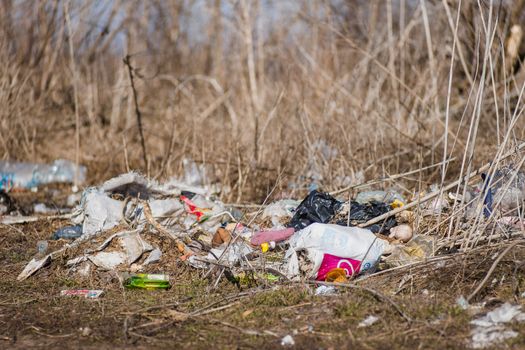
[97, 212]
[353, 249]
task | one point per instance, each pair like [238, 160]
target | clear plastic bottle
[390, 197]
[32, 175]
[41, 248]
[68, 232]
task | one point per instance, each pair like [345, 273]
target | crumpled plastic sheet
[417, 249]
[490, 329]
[108, 260]
[280, 210]
[97, 212]
[153, 257]
[230, 254]
[34, 265]
[133, 246]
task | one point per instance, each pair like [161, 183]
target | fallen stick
[494, 236]
[11, 220]
[424, 263]
[149, 217]
[127, 62]
[491, 270]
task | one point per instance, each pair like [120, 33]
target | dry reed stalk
[365, 89]
[127, 62]
[75, 92]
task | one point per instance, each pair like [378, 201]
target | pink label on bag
[330, 262]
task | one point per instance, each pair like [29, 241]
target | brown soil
[193, 314]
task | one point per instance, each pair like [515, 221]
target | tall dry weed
[330, 90]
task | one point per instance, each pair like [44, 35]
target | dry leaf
[247, 313]
[178, 316]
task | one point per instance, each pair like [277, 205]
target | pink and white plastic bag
[354, 249]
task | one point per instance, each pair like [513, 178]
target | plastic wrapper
[418, 249]
[280, 211]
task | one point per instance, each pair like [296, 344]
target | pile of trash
[119, 225]
[141, 230]
[317, 238]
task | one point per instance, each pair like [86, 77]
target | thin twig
[389, 178]
[162, 229]
[127, 62]
[75, 93]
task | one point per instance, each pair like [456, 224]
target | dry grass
[191, 315]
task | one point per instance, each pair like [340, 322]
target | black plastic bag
[361, 213]
[6, 203]
[316, 207]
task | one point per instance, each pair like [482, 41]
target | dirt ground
[416, 305]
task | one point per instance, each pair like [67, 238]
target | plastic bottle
[68, 232]
[86, 293]
[389, 197]
[147, 281]
[41, 247]
[31, 175]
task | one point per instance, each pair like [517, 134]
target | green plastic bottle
[147, 281]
